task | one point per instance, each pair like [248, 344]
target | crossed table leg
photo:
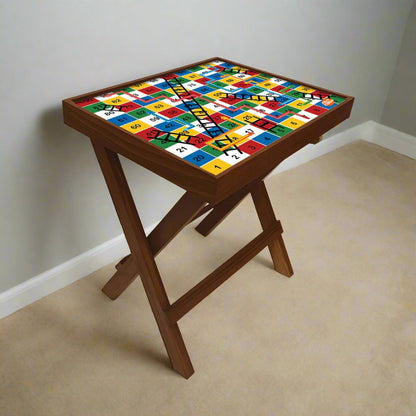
[144, 249]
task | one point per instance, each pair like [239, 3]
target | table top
[212, 116]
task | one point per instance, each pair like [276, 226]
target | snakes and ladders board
[214, 115]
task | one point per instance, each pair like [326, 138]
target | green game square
[140, 112]
[93, 108]
[212, 151]
[265, 76]
[161, 143]
[201, 101]
[229, 125]
[337, 99]
[128, 89]
[196, 68]
[246, 103]
[288, 108]
[218, 84]
[182, 80]
[162, 93]
[280, 130]
[186, 118]
[256, 90]
[294, 94]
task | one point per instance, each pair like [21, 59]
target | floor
[338, 338]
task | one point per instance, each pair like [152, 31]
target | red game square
[315, 109]
[264, 124]
[126, 107]
[150, 133]
[272, 105]
[150, 90]
[172, 112]
[242, 84]
[250, 147]
[322, 93]
[204, 80]
[278, 88]
[199, 140]
[231, 100]
[218, 117]
[87, 101]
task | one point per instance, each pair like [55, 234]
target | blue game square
[226, 65]
[283, 99]
[183, 72]
[231, 113]
[182, 106]
[199, 158]
[163, 85]
[266, 138]
[291, 85]
[279, 117]
[169, 125]
[256, 79]
[215, 76]
[122, 119]
[204, 90]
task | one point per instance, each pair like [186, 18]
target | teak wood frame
[204, 192]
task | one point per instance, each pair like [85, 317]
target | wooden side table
[216, 128]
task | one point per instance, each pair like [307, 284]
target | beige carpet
[338, 338]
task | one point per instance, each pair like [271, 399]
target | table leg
[266, 216]
[143, 257]
[174, 221]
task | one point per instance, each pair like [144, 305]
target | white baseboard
[60, 276]
[312, 151]
[86, 263]
[391, 139]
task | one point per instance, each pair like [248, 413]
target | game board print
[213, 115]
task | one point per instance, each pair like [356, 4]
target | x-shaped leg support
[144, 249]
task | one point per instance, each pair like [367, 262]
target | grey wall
[400, 109]
[54, 204]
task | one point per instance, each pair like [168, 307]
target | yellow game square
[216, 95]
[135, 126]
[185, 130]
[216, 166]
[292, 123]
[139, 85]
[301, 104]
[246, 117]
[116, 100]
[229, 80]
[158, 106]
[268, 85]
[302, 88]
[192, 76]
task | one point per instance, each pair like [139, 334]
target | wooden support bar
[201, 212]
[174, 221]
[119, 265]
[220, 212]
[200, 291]
[125, 275]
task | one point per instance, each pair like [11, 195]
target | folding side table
[215, 128]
